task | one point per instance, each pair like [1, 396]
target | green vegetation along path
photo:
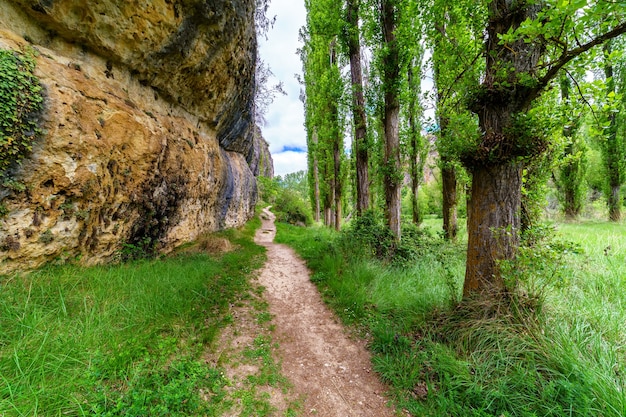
[329, 370]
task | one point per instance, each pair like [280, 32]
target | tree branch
[582, 96]
[567, 56]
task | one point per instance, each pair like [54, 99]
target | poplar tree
[527, 44]
[324, 89]
[570, 180]
[613, 141]
[455, 38]
[390, 61]
[352, 37]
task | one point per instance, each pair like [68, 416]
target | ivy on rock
[21, 105]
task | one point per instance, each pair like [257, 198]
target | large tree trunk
[316, 179]
[358, 109]
[492, 222]
[449, 186]
[416, 180]
[337, 182]
[614, 203]
[612, 152]
[337, 146]
[417, 148]
[391, 73]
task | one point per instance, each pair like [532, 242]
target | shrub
[291, 208]
[369, 236]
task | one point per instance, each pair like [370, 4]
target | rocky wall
[148, 135]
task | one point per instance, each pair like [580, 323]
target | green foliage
[368, 237]
[287, 197]
[430, 200]
[21, 105]
[172, 390]
[268, 189]
[291, 208]
[550, 346]
[125, 340]
[144, 249]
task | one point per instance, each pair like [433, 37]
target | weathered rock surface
[149, 132]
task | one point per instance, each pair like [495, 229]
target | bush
[291, 208]
[368, 236]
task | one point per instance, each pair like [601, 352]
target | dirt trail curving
[328, 369]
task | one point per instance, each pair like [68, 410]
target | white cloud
[288, 162]
[285, 117]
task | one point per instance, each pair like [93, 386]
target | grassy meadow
[123, 340]
[131, 339]
[554, 347]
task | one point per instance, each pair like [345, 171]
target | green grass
[122, 340]
[557, 347]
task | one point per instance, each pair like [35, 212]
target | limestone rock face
[261, 162]
[148, 126]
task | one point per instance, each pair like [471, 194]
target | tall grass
[554, 347]
[121, 339]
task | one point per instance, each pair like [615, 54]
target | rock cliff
[148, 137]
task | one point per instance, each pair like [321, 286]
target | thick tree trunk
[337, 182]
[391, 74]
[449, 186]
[493, 224]
[358, 109]
[418, 152]
[614, 203]
[316, 180]
[493, 221]
[328, 216]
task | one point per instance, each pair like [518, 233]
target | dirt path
[330, 371]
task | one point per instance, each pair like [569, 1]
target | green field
[128, 340]
[556, 347]
[122, 340]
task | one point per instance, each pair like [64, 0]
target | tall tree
[527, 44]
[418, 146]
[358, 106]
[613, 143]
[324, 89]
[391, 81]
[455, 37]
[570, 181]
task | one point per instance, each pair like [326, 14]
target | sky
[284, 129]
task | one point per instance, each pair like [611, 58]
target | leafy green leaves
[21, 103]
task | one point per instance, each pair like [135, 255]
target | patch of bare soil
[328, 370]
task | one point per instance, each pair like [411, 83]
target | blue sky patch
[297, 149]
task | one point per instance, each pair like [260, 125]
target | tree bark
[493, 223]
[570, 181]
[337, 142]
[418, 149]
[612, 151]
[337, 181]
[391, 75]
[614, 202]
[358, 109]
[449, 186]
[316, 178]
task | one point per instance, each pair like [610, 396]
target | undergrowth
[123, 340]
[552, 345]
